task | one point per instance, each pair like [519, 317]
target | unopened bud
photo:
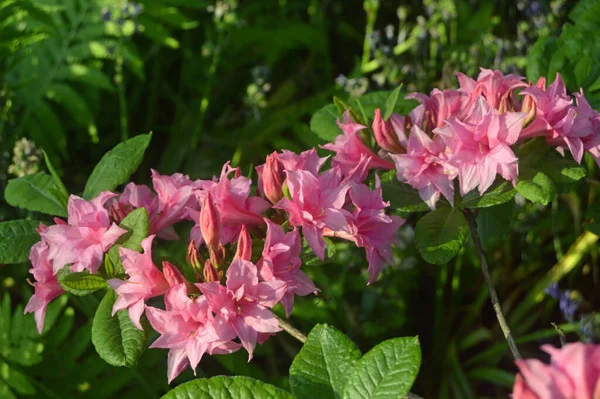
[529, 106]
[244, 245]
[217, 255]
[193, 257]
[386, 132]
[210, 273]
[271, 178]
[210, 223]
[172, 274]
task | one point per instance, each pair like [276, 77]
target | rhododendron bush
[249, 238]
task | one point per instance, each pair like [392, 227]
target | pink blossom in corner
[390, 134]
[573, 373]
[349, 147]
[481, 146]
[494, 85]
[83, 240]
[46, 286]
[316, 204]
[555, 117]
[281, 262]
[588, 121]
[426, 168]
[188, 330]
[244, 303]
[145, 281]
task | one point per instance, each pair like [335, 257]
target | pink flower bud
[271, 178]
[389, 133]
[244, 245]
[172, 274]
[210, 222]
[192, 257]
[210, 272]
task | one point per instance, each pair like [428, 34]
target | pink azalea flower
[573, 373]
[494, 85]
[176, 195]
[133, 197]
[189, 331]
[426, 168]
[371, 228]
[481, 146]
[390, 134]
[439, 106]
[46, 286]
[236, 206]
[281, 262]
[588, 120]
[243, 304]
[145, 281]
[349, 147]
[316, 203]
[87, 235]
[308, 160]
[555, 117]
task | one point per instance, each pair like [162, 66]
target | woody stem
[288, 328]
[488, 280]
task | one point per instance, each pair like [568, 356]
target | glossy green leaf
[400, 195]
[16, 239]
[323, 123]
[137, 225]
[390, 103]
[32, 192]
[536, 187]
[440, 234]
[57, 180]
[323, 365]
[117, 165]
[80, 283]
[387, 371]
[227, 388]
[500, 192]
[116, 339]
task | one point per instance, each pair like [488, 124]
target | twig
[488, 280]
[561, 334]
[288, 328]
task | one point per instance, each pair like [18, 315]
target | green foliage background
[235, 81]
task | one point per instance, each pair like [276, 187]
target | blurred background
[229, 80]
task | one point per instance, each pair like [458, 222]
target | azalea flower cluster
[228, 304]
[469, 133]
[573, 372]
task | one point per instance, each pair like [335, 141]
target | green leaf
[500, 192]
[56, 177]
[80, 283]
[84, 74]
[493, 223]
[390, 103]
[117, 165]
[561, 169]
[226, 388]
[73, 103]
[323, 123]
[16, 239]
[386, 371]
[322, 366]
[116, 339]
[400, 195]
[440, 234]
[492, 375]
[536, 187]
[137, 225]
[32, 192]
[378, 99]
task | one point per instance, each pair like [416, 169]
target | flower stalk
[488, 280]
